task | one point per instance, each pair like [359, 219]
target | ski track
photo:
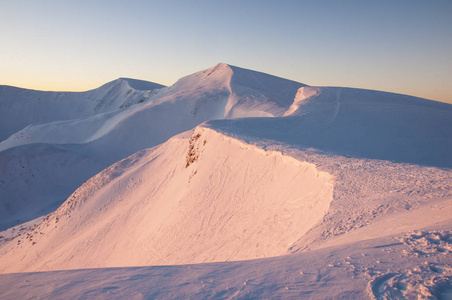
[336, 110]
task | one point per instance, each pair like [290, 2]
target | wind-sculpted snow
[256, 94]
[360, 123]
[141, 85]
[367, 190]
[200, 199]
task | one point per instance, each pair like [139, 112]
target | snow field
[372, 269]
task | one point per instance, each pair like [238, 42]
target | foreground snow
[415, 265]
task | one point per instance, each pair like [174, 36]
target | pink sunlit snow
[230, 183]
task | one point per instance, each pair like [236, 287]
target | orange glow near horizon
[395, 46]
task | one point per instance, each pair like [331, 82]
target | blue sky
[399, 46]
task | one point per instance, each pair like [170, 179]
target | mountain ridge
[206, 183]
[114, 127]
[124, 121]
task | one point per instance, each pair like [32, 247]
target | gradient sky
[398, 46]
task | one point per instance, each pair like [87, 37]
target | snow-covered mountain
[219, 92]
[107, 124]
[20, 108]
[306, 187]
[359, 123]
[234, 202]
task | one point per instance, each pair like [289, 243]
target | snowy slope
[207, 197]
[21, 107]
[41, 164]
[255, 94]
[385, 268]
[386, 232]
[219, 92]
[232, 200]
[116, 120]
[359, 123]
[34, 179]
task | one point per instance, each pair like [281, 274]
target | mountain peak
[221, 65]
[218, 68]
[136, 84]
